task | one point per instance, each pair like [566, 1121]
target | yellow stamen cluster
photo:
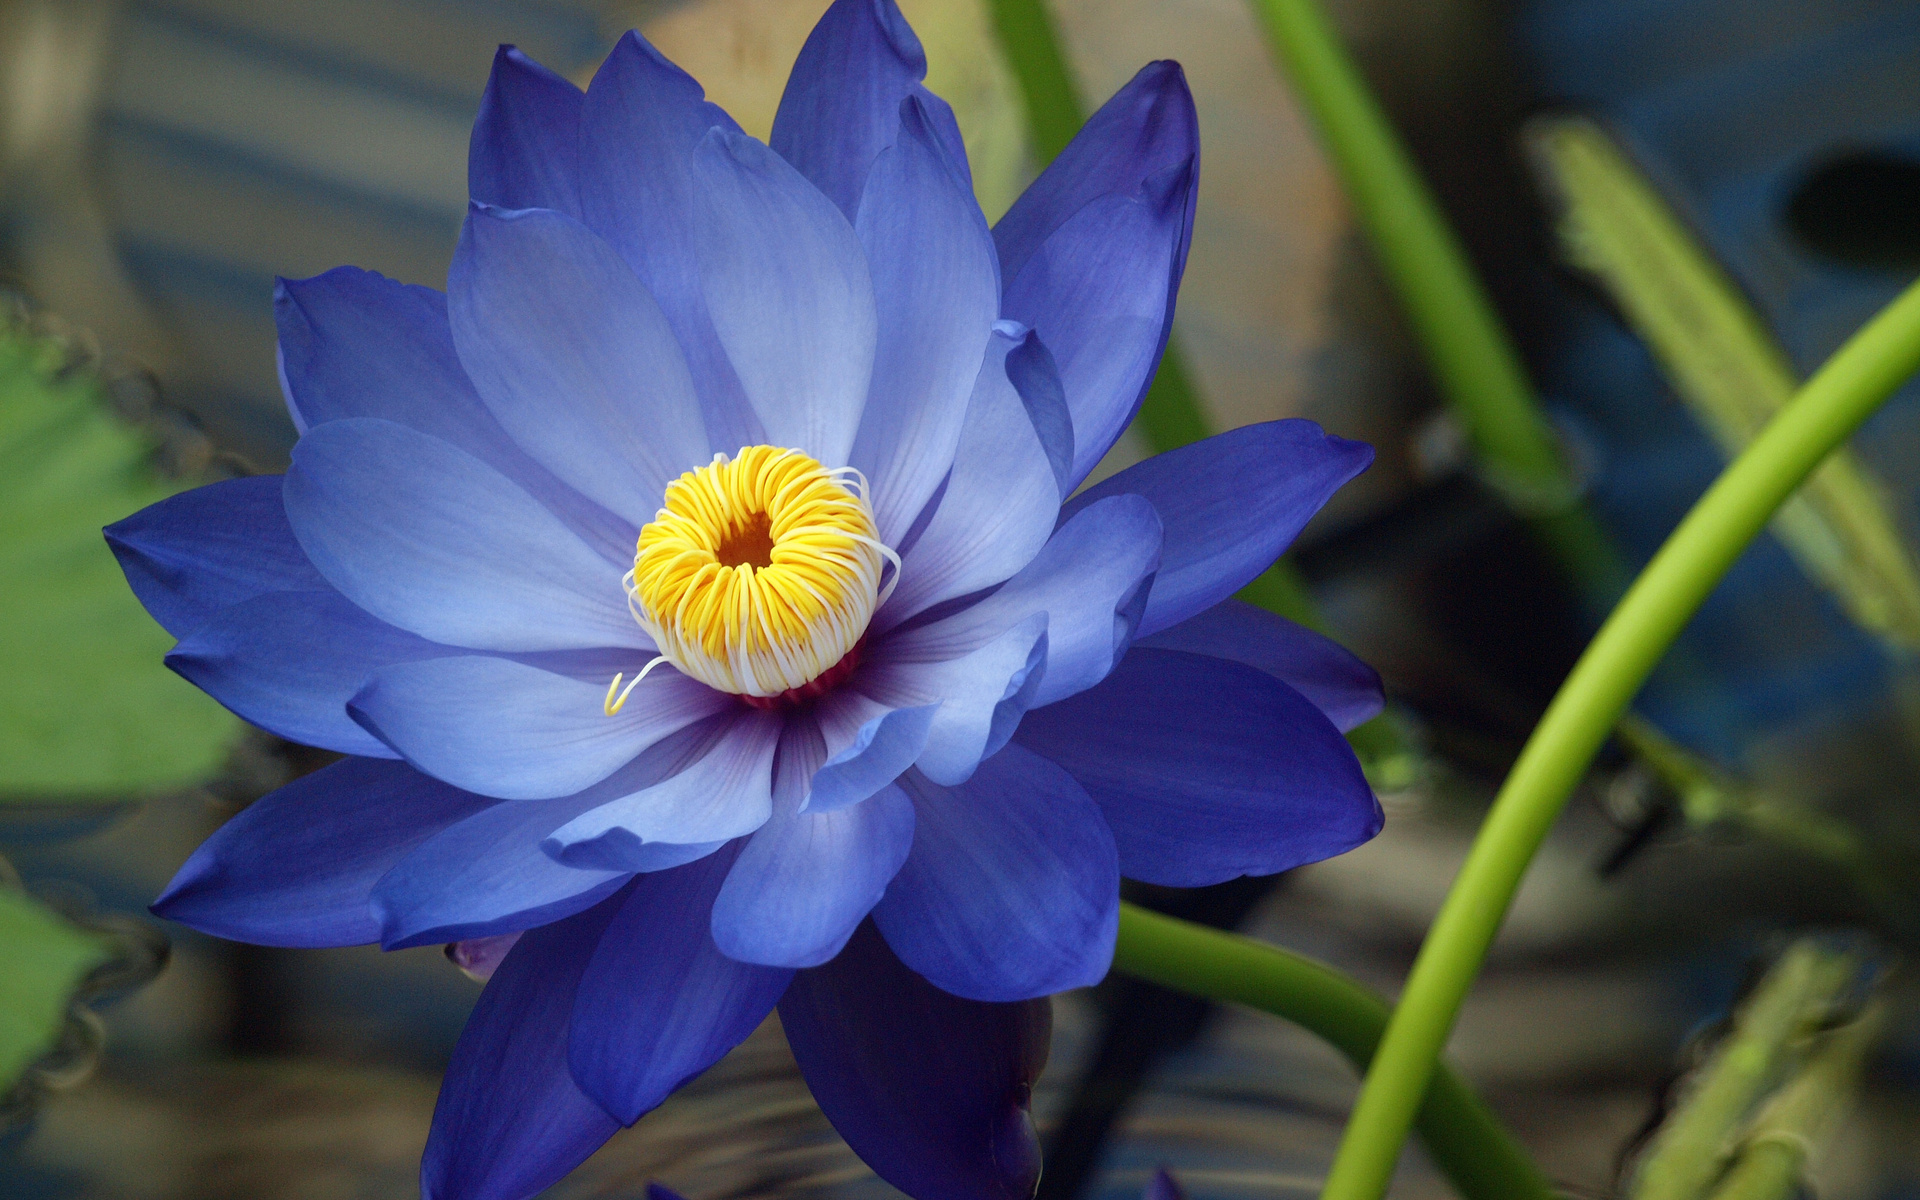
[760, 572]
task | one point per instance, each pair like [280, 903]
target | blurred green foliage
[88, 711]
[43, 959]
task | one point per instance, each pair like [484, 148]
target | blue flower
[701, 592]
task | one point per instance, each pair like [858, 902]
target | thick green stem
[1822, 415]
[1465, 1139]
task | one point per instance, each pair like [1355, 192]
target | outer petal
[489, 874]
[574, 358]
[517, 732]
[1000, 502]
[1090, 579]
[643, 118]
[937, 291]
[525, 150]
[510, 1119]
[296, 867]
[193, 554]
[1012, 890]
[724, 793]
[806, 879]
[659, 1003]
[1100, 293]
[929, 1089]
[427, 537]
[977, 699]
[841, 108]
[1230, 504]
[356, 344]
[1146, 127]
[289, 662]
[1207, 770]
[1339, 685]
[786, 284]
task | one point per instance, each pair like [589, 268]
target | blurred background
[161, 161]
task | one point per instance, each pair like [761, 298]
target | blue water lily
[703, 591]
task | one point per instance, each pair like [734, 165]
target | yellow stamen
[759, 573]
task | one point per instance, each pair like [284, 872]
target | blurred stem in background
[1171, 415]
[1845, 392]
[1465, 1139]
[1793, 1038]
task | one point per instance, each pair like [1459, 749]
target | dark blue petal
[806, 879]
[506, 729]
[725, 792]
[841, 107]
[787, 288]
[1012, 889]
[1230, 505]
[931, 1090]
[1207, 769]
[1339, 685]
[1100, 293]
[427, 537]
[196, 553]
[1090, 580]
[296, 867]
[659, 1003]
[525, 149]
[998, 506]
[510, 1119]
[574, 358]
[1146, 127]
[289, 662]
[937, 292]
[357, 344]
[643, 118]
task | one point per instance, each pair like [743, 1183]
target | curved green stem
[1853, 383]
[1465, 1139]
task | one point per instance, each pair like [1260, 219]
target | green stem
[1466, 1140]
[1853, 383]
[1474, 363]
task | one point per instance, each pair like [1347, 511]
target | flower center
[760, 572]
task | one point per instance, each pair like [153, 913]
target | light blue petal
[937, 292]
[574, 358]
[724, 793]
[1091, 580]
[977, 698]
[506, 729]
[873, 757]
[806, 879]
[643, 118]
[786, 283]
[424, 536]
[1012, 889]
[999, 506]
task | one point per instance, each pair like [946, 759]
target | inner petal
[760, 572]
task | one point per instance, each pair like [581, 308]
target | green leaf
[43, 958]
[89, 711]
[1726, 367]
